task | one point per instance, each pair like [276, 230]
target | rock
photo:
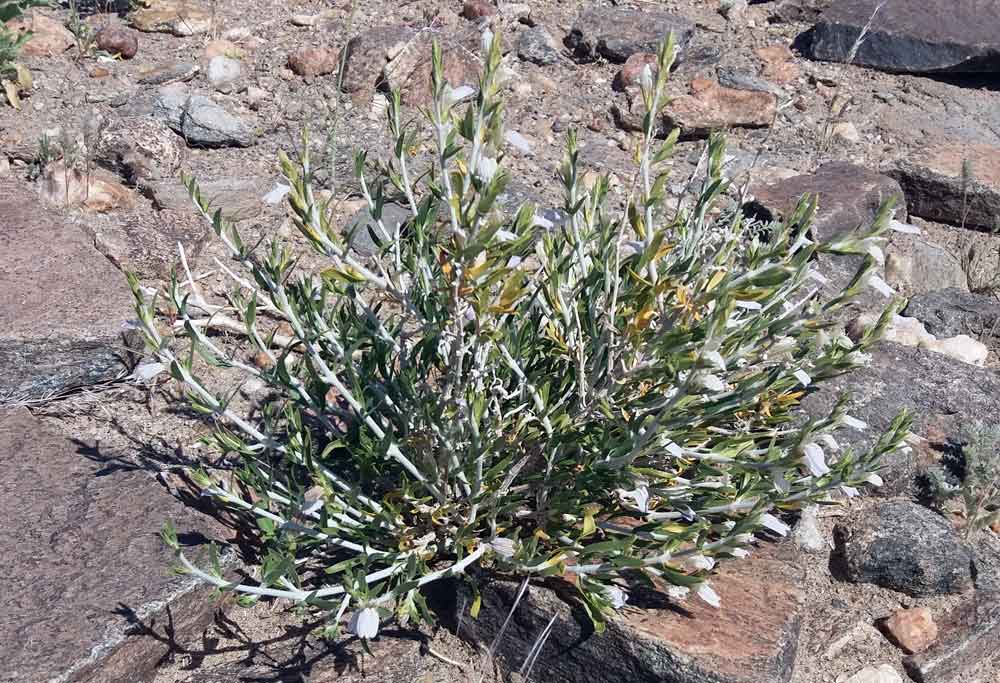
[847, 196]
[951, 312]
[140, 149]
[845, 131]
[361, 225]
[709, 107]
[797, 11]
[936, 389]
[779, 64]
[883, 673]
[238, 198]
[924, 267]
[62, 305]
[84, 563]
[751, 638]
[367, 55]
[117, 40]
[913, 630]
[631, 72]
[199, 120]
[178, 17]
[223, 73]
[733, 10]
[478, 9]
[536, 45]
[740, 80]
[953, 183]
[409, 69]
[171, 72]
[97, 190]
[957, 36]
[222, 48]
[313, 61]
[48, 37]
[904, 547]
[969, 638]
[807, 534]
[616, 33]
[911, 332]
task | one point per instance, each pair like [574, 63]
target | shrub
[610, 399]
[972, 473]
[13, 76]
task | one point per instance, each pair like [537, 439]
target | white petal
[486, 168]
[780, 482]
[749, 305]
[706, 593]
[148, 371]
[904, 227]
[830, 442]
[711, 382]
[875, 480]
[849, 491]
[616, 596]
[277, 194]
[774, 524]
[803, 377]
[364, 623]
[740, 553]
[880, 286]
[504, 547]
[815, 460]
[517, 140]
[674, 450]
[716, 359]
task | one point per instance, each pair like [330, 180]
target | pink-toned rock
[779, 64]
[312, 61]
[709, 107]
[631, 72]
[48, 36]
[913, 630]
[97, 191]
[478, 9]
[409, 69]
[118, 40]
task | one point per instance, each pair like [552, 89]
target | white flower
[646, 78]
[880, 286]
[740, 553]
[803, 377]
[711, 382]
[815, 460]
[504, 547]
[716, 359]
[486, 168]
[875, 480]
[699, 563]
[849, 491]
[781, 482]
[487, 40]
[617, 596]
[772, 523]
[830, 442]
[639, 495]
[706, 593]
[455, 95]
[364, 623]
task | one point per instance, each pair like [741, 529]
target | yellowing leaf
[10, 89]
[716, 279]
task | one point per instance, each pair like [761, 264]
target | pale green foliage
[611, 399]
[977, 466]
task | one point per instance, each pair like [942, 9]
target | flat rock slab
[950, 312]
[905, 36]
[617, 33]
[847, 196]
[939, 391]
[63, 306]
[199, 120]
[84, 566]
[953, 183]
[752, 638]
[969, 637]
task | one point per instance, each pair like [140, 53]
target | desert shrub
[611, 398]
[13, 76]
[972, 474]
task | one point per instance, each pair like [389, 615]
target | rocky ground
[878, 589]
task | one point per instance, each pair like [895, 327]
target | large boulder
[617, 33]
[84, 567]
[951, 312]
[932, 36]
[938, 391]
[63, 307]
[954, 183]
[751, 637]
[904, 547]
